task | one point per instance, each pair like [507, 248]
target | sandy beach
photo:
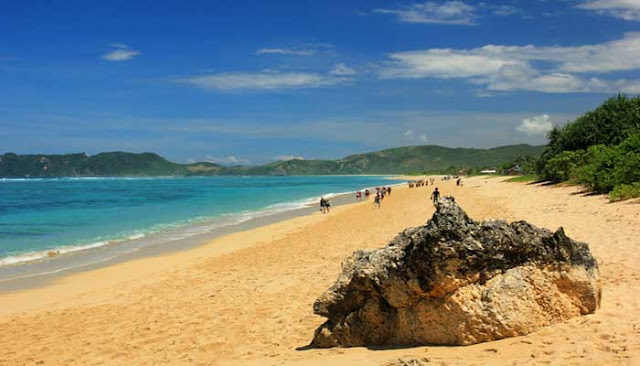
[246, 298]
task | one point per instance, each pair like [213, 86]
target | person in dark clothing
[435, 195]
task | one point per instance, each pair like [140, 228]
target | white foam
[51, 253]
[175, 231]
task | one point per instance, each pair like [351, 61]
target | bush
[628, 162]
[598, 173]
[600, 150]
[611, 166]
[625, 192]
[610, 124]
[563, 166]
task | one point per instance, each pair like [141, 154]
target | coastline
[38, 273]
[246, 298]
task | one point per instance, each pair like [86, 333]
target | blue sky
[254, 81]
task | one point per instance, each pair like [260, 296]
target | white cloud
[121, 52]
[288, 157]
[534, 81]
[448, 12]
[228, 160]
[343, 70]
[305, 49]
[538, 125]
[499, 67]
[622, 9]
[412, 136]
[264, 80]
[286, 51]
[504, 10]
[442, 63]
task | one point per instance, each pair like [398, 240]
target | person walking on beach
[323, 205]
[376, 201]
[435, 195]
[327, 205]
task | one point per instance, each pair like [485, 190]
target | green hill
[81, 165]
[391, 161]
[433, 158]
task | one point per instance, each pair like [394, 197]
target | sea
[96, 219]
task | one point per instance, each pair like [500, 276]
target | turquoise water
[41, 216]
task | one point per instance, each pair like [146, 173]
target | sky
[249, 82]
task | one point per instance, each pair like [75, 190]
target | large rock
[456, 281]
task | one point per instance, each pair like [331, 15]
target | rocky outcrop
[456, 281]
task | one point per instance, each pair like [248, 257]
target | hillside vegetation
[600, 150]
[79, 165]
[392, 161]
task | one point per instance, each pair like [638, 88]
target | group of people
[435, 195]
[432, 181]
[449, 177]
[381, 192]
[421, 182]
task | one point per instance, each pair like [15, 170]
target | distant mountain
[432, 158]
[391, 161]
[116, 164]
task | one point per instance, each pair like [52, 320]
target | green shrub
[563, 166]
[598, 173]
[611, 166]
[628, 160]
[610, 124]
[625, 192]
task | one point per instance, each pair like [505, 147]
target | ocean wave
[172, 231]
[51, 253]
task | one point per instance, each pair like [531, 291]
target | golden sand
[246, 298]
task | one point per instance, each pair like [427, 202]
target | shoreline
[41, 272]
[247, 298]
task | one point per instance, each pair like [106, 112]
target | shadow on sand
[377, 348]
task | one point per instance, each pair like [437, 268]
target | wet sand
[42, 273]
[246, 298]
